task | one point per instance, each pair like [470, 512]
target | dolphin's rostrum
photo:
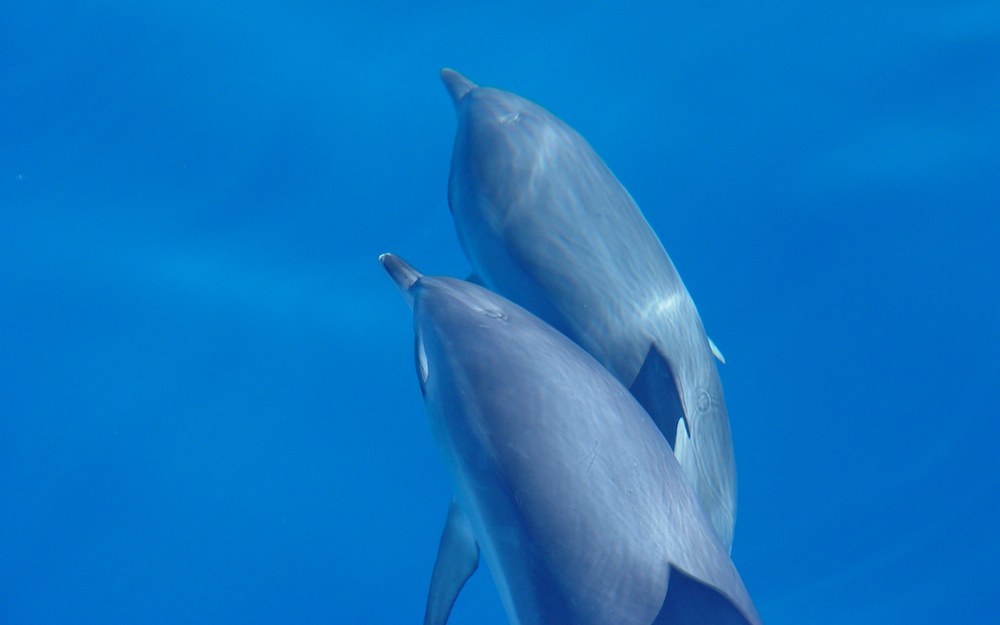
[545, 223]
[560, 477]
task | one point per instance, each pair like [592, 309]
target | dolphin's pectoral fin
[691, 602]
[682, 440]
[457, 560]
[475, 279]
[656, 389]
[715, 351]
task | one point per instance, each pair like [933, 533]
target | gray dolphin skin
[560, 478]
[545, 223]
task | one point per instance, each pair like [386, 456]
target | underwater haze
[208, 406]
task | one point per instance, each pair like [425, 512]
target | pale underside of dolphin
[545, 223]
[561, 480]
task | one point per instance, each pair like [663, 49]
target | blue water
[208, 409]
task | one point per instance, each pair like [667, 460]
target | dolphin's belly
[569, 501]
[577, 272]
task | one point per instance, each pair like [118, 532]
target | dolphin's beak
[402, 274]
[456, 84]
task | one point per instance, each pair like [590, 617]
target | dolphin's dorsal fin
[475, 279]
[456, 84]
[715, 351]
[655, 387]
[692, 602]
[402, 273]
[457, 560]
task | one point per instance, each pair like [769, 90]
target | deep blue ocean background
[208, 406]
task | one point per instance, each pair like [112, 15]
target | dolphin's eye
[421, 361]
[493, 313]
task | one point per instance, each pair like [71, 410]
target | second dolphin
[546, 224]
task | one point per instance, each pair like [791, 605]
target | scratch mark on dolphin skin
[593, 456]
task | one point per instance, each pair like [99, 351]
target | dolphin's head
[457, 324]
[445, 301]
[504, 144]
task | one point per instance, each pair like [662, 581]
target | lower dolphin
[545, 223]
[561, 480]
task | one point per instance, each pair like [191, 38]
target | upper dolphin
[546, 224]
[560, 478]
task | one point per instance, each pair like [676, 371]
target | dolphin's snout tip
[456, 84]
[402, 273]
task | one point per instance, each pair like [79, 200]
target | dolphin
[545, 223]
[561, 480]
